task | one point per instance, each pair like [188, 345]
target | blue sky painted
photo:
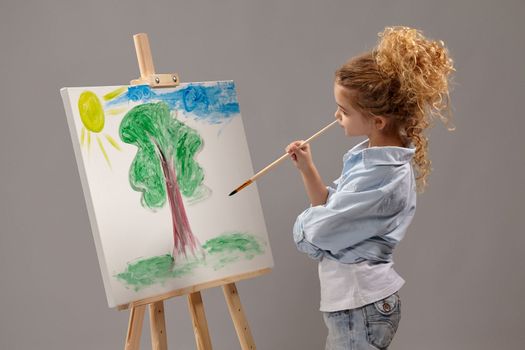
[215, 104]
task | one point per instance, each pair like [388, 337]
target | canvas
[156, 167]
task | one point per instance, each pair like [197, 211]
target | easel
[195, 304]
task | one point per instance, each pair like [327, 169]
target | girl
[389, 95]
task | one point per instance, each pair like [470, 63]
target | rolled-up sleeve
[298, 231]
[349, 217]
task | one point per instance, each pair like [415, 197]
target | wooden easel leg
[200, 325]
[136, 318]
[239, 319]
[157, 324]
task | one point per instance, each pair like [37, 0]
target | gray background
[462, 257]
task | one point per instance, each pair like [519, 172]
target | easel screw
[174, 78]
[157, 80]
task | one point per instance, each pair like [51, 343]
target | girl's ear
[380, 122]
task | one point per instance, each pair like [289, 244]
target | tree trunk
[182, 234]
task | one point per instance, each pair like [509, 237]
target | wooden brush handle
[284, 156]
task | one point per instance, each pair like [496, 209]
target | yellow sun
[93, 119]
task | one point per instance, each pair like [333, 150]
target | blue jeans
[369, 327]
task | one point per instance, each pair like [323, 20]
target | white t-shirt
[349, 286]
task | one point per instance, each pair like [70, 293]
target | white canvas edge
[89, 203]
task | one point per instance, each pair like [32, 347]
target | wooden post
[157, 324]
[147, 69]
[136, 318]
[198, 318]
[239, 319]
[144, 57]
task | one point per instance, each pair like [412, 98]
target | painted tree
[164, 166]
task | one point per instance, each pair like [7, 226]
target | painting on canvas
[156, 167]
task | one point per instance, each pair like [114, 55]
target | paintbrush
[260, 173]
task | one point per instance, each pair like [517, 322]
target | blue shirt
[368, 211]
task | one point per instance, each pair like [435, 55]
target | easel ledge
[195, 288]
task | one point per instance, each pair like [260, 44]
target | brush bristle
[241, 187]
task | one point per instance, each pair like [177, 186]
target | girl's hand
[301, 157]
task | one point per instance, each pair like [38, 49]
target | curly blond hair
[405, 79]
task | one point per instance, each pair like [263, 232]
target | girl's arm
[302, 159]
[315, 188]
